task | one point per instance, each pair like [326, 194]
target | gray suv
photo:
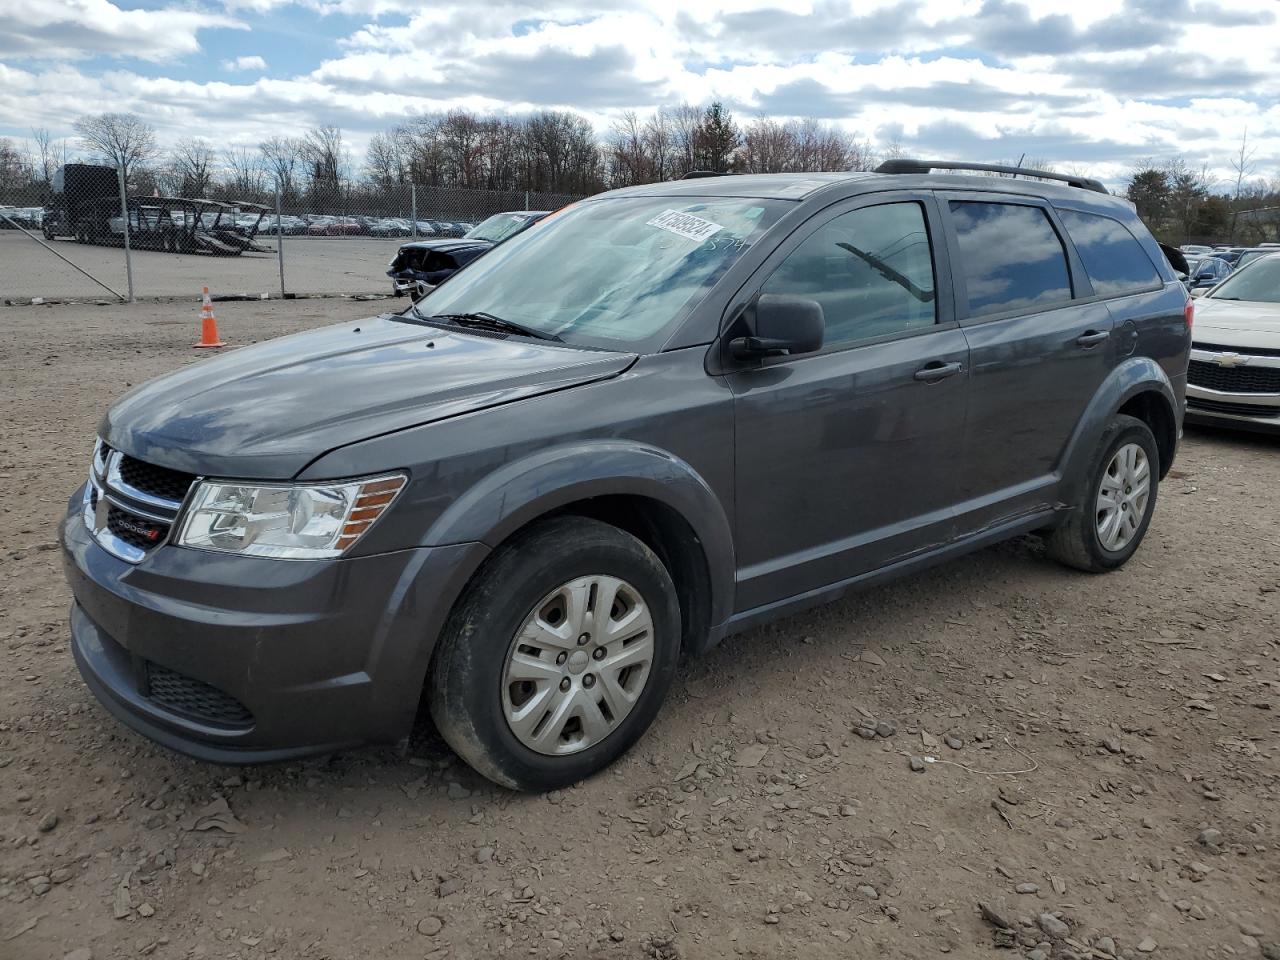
[659, 417]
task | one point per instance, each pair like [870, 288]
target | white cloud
[244, 63]
[75, 29]
[1091, 85]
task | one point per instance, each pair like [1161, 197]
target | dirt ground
[1106, 750]
[329, 265]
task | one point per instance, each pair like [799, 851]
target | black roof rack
[699, 174]
[904, 165]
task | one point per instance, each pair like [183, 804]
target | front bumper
[248, 660]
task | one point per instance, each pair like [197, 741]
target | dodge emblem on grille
[1229, 359]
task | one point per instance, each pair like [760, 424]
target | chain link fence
[90, 238]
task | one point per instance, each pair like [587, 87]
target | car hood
[1237, 323]
[448, 245]
[266, 411]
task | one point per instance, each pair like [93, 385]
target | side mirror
[1199, 291]
[421, 288]
[782, 326]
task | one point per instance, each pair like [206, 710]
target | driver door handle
[938, 370]
[1091, 338]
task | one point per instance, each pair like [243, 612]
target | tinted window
[1112, 256]
[871, 270]
[1010, 256]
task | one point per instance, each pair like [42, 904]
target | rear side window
[1112, 256]
[871, 269]
[1010, 256]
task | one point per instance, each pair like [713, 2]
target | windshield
[609, 272]
[1260, 282]
[498, 227]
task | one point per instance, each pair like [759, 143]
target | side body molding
[519, 492]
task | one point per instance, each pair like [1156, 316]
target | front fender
[1133, 376]
[520, 492]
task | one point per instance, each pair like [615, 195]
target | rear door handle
[938, 370]
[1091, 338]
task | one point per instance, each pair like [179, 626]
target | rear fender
[1133, 376]
[518, 493]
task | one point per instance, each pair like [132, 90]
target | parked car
[1234, 375]
[421, 265]
[1251, 254]
[667, 414]
[1198, 249]
[1206, 272]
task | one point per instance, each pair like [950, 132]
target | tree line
[1181, 203]
[549, 151]
[559, 152]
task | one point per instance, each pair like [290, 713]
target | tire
[516, 594]
[1079, 542]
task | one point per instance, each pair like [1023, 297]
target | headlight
[293, 522]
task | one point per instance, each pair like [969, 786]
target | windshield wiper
[488, 321]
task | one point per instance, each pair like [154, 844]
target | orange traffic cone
[208, 325]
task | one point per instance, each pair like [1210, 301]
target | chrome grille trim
[117, 483]
[107, 490]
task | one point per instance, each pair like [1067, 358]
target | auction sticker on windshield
[685, 225]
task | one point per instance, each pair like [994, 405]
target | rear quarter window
[1112, 256]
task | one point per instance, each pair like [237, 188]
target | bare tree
[628, 159]
[246, 179]
[280, 156]
[190, 168]
[1243, 166]
[48, 155]
[767, 147]
[124, 140]
[386, 162]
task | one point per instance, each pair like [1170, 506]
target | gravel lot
[312, 265]
[1107, 784]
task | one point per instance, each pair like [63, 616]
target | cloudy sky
[1089, 84]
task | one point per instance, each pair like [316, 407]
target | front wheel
[1104, 531]
[558, 655]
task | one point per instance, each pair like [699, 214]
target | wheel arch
[653, 495]
[1138, 387]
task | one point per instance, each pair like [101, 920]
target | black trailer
[85, 204]
[76, 206]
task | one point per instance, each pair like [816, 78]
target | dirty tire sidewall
[1076, 543]
[465, 686]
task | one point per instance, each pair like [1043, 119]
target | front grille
[157, 481]
[195, 698]
[142, 501]
[1242, 379]
[1235, 409]
[134, 530]
[1253, 351]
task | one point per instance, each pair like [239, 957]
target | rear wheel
[558, 656]
[1106, 529]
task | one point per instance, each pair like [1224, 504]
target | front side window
[1010, 257]
[614, 273]
[1112, 256]
[871, 269]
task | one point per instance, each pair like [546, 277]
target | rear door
[1040, 346]
[845, 458]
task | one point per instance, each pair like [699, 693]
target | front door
[845, 458]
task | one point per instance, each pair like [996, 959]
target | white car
[1234, 376]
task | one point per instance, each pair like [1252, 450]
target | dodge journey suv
[659, 417]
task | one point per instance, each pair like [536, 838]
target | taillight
[1189, 313]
